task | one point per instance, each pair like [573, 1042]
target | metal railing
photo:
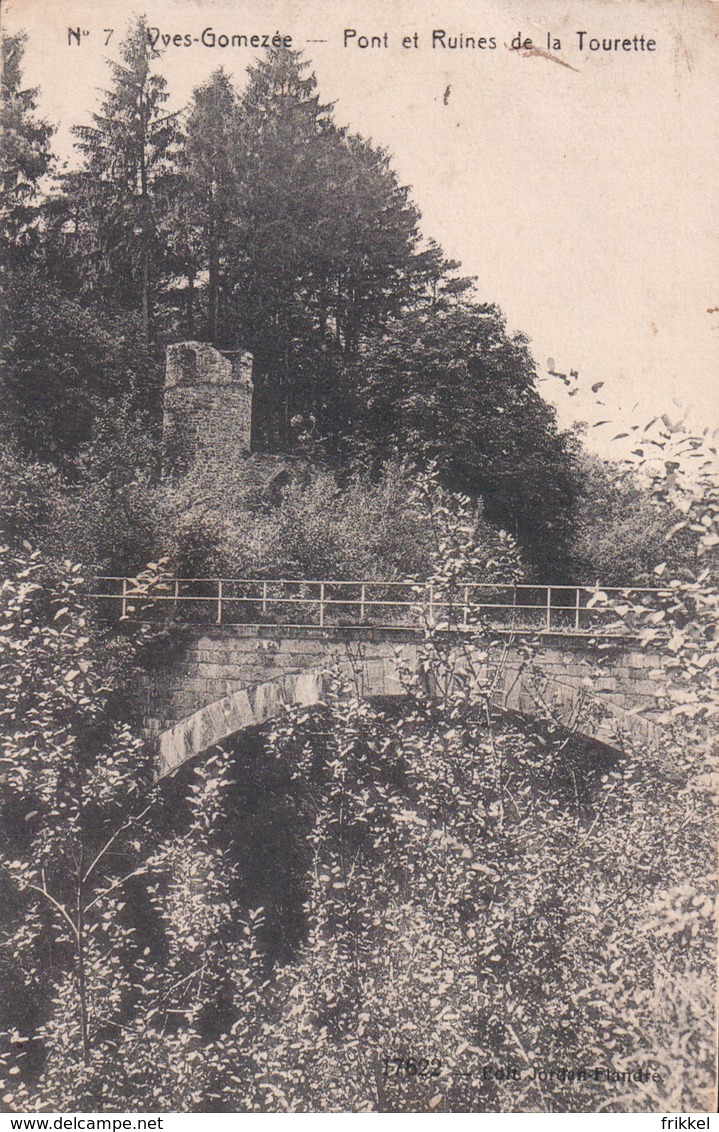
[338, 603]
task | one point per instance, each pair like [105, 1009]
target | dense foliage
[620, 533]
[447, 382]
[425, 906]
[253, 220]
[74, 783]
[521, 921]
[25, 154]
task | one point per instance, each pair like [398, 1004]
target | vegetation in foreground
[420, 909]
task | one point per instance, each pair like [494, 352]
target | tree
[25, 154]
[63, 363]
[445, 381]
[620, 531]
[126, 151]
[75, 790]
[320, 249]
[209, 186]
[25, 158]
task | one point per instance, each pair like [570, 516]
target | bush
[620, 529]
[363, 529]
[27, 491]
[434, 908]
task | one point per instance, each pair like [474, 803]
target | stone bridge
[215, 681]
[268, 642]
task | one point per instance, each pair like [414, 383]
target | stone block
[220, 671]
[215, 689]
[578, 670]
[605, 684]
[181, 705]
[191, 684]
[644, 688]
[208, 642]
[206, 655]
[229, 687]
[224, 651]
[623, 675]
[317, 648]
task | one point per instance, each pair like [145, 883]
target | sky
[577, 185]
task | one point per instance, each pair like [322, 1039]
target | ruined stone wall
[208, 405]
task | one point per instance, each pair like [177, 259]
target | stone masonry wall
[208, 405]
[211, 664]
[622, 674]
[216, 663]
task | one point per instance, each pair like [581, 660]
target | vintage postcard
[359, 640]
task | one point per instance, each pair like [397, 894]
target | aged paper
[564, 155]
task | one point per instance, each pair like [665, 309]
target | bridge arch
[559, 687]
[223, 718]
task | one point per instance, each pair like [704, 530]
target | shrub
[319, 528]
[620, 528]
[485, 915]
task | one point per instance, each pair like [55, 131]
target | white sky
[583, 199]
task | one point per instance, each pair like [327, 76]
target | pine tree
[208, 189]
[25, 154]
[127, 153]
[61, 362]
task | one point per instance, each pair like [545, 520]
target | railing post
[359, 609]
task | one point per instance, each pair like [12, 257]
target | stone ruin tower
[208, 405]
